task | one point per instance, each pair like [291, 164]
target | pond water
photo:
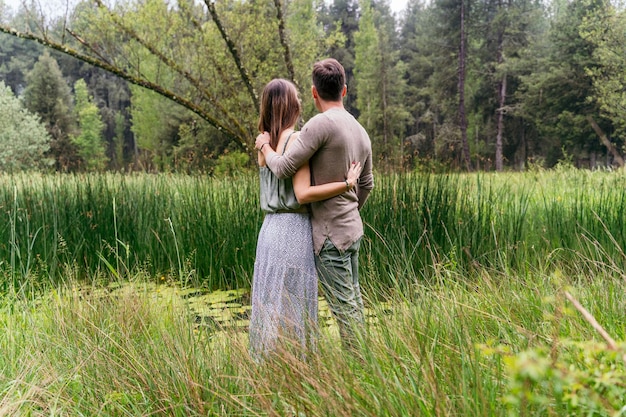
[228, 309]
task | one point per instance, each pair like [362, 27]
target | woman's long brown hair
[280, 108]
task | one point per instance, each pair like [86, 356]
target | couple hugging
[313, 184]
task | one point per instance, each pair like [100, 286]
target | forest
[173, 86]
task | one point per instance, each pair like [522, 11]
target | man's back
[331, 141]
[342, 140]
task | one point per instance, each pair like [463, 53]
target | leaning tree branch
[594, 323]
[170, 63]
[606, 142]
[283, 40]
[128, 77]
[216, 65]
[233, 51]
[88, 46]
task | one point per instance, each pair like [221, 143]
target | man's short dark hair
[329, 78]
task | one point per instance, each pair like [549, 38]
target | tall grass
[192, 228]
[465, 278]
[508, 222]
[445, 348]
[200, 230]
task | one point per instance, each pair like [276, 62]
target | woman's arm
[307, 193]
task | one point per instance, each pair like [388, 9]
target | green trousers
[338, 272]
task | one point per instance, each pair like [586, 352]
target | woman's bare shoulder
[294, 137]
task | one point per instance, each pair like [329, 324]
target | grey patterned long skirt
[284, 286]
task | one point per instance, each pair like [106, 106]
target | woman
[284, 287]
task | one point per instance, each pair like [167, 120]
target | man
[331, 142]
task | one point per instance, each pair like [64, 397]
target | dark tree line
[447, 84]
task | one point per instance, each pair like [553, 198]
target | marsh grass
[443, 348]
[198, 230]
[190, 228]
[507, 222]
[90, 351]
[464, 278]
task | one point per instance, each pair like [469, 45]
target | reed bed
[186, 228]
[201, 230]
[468, 281]
[507, 222]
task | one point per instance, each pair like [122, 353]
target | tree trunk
[501, 99]
[386, 137]
[465, 154]
[283, 41]
[501, 102]
[522, 150]
[617, 158]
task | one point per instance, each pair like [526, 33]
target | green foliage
[155, 122]
[555, 91]
[17, 57]
[163, 140]
[582, 378]
[232, 163]
[112, 97]
[607, 31]
[500, 31]
[183, 51]
[561, 63]
[380, 87]
[24, 141]
[48, 95]
[341, 21]
[118, 140]
[418, 54]
[89, 141]
[367, 63]
[306, 37]
[572, 373]
[198, 146]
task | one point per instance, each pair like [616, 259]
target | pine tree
[17, 57]
[48, 95]
[341, 18]
[378, 74]
[418, 52]
[501, 31]
[555, 95]
[607, 32]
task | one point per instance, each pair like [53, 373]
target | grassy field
[471, 281]
[203, 231]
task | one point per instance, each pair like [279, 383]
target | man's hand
[262, 139]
